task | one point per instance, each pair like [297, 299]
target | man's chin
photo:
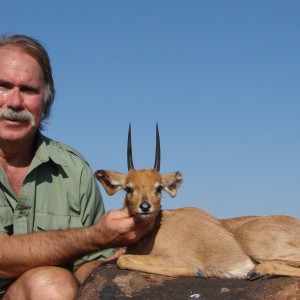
[16, 131]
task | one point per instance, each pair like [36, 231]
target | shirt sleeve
[92, 209]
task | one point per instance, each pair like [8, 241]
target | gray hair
[35, 49]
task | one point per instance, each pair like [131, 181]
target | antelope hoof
[253, 275]
[199, 273]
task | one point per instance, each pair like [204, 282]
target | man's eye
[3, 86]
[30, 90]
[128, 189]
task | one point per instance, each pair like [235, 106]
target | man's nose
[15, 99]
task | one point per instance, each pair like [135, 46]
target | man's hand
[118, 228]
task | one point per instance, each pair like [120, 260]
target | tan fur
[269, 238]
[191, 242]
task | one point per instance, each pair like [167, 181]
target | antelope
[190, 242]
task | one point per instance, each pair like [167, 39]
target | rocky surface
[108, 282]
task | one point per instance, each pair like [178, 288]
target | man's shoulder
[67, 148]
[60, 150]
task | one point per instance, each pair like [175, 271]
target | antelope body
[190, 242]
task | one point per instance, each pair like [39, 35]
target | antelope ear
[171, 183]
[111, 181]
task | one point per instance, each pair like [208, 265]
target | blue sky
[221, 78]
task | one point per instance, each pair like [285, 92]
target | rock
[108, 282]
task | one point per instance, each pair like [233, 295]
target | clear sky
[221, 78]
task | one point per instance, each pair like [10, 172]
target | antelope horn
[129, 150]
[157, 151]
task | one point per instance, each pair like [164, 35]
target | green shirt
[59, 192]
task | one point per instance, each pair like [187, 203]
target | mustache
[14, 115]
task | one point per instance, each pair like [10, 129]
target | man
[53, 230]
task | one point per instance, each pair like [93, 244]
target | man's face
[22, 90]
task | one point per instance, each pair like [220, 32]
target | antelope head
[143, 187]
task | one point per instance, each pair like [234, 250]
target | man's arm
[20, 253]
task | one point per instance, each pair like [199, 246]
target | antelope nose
[144, 206]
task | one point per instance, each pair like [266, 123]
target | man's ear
[111, 181]
[171, 183]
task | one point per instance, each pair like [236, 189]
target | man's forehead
[14, 59]
[16, 51]
[12, 48]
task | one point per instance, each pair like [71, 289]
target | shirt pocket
[6, 220]
[46, 222]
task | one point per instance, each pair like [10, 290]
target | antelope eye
[128, 189]
[158, 189]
